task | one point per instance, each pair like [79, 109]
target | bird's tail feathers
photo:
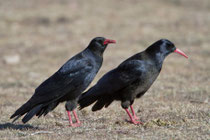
[21, 111]
[17, 117]
[31, 113]
[88, 98]
[86, 101]
[102, 102]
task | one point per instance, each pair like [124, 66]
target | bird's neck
[157, 58]
[96, 51]
[97, 55]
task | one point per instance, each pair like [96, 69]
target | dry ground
[43, 34]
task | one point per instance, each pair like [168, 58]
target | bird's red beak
[181, 52]
[107, 41]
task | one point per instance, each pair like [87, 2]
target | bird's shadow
[17, 126]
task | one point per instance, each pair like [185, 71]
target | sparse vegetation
[44, 34]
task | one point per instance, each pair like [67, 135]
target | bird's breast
[145, 81]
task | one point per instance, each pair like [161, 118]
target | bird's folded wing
[114, 81]
[66, 79]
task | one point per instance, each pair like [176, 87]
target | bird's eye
[101, 42]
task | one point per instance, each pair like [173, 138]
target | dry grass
[44, 34]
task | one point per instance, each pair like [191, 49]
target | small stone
[11, 59]
[34, 75]
[206, 100]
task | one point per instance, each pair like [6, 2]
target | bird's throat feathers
[157, 56]
[158, 59]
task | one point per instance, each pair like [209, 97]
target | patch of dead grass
[46, 33]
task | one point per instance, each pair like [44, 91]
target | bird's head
[99, 44]
[164, 47]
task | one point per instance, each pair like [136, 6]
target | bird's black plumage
[130, 80]
[67, 83]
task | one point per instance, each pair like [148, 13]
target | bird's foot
[135, 117]
[136, 122]
[75, 124]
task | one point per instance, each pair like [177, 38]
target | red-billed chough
[66, 84]
[130, 80]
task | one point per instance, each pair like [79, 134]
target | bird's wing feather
[64, 80]
[117, 79]
[112, 83]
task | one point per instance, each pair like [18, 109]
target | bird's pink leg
[132, 119]
[77, 119]
[70, 120]
[133, 112]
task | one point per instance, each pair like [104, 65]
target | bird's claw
[75, 124]
[136, 118]
[136, 122]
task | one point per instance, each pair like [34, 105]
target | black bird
[66, 84]
[130, 80]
